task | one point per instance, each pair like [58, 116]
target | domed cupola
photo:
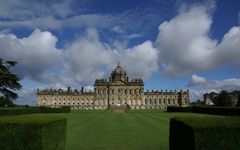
[119, 74]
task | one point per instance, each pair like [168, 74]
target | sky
[174, 44]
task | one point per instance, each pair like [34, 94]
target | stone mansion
[118, 91]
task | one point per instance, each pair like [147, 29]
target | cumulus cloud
[35, 54]
[197, 80]
[228, 51]
[26, 96]
[80, 63]
[200, 85]
[226, 84]
[141, 60]
[185, 44]
[87, 59]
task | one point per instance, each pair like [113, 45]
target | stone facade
[117, 91]
[209, 98]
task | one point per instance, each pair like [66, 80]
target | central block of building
[116, 92]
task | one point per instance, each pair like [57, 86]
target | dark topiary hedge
[18, 111]
[217, 110]
[55, 110]
[204, 133]
[232, 111]
[32, 110]
[178, 109]
[33, 132]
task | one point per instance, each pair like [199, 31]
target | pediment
[119, 83]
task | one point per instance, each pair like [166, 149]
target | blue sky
[175, 44]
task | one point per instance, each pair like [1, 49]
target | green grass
[135, 130]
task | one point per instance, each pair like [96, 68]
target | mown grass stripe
[119, 131]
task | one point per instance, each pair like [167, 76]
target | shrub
[32, 110]
[18, 111]
[231, 111]
[28, 132]
[224, 99]
[217, 110]
[178, 109]
[5, 102]
[204, 133]
[55, 110]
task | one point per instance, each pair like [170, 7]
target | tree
[6, 102]
[224, 99]
[197, 102]
[9, 82]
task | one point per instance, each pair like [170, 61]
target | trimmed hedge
[231, 111]
[204, 133]
[32, 110]
[55, 110]
[178, 109]
[33, 132]
[217, 110]
[18, 111]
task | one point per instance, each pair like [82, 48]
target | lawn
[119, 131]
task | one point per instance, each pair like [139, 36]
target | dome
[119, 70]
[119, 74]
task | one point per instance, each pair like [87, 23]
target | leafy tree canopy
[9, 82]
[224, 99]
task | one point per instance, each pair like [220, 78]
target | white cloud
[35, 54]
[26, 97]
[86, 59]
[51, 22]
[72, 14]
[200, 85]
[228, 50]
[226, 84]
[21, 9]
[197, 80]
[185, 44]
[141, 60]
[134, 35]
[118, 29]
